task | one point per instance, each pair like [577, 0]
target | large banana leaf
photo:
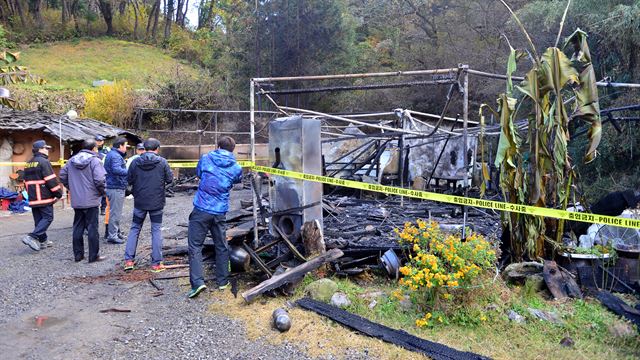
[587, 107]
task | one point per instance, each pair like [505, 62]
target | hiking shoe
[129, 265]
[115, 241]
[103, 211]
[46, 244]
[122, 236]
[222, 287]
[31, 242]
[194, 292]
[158, 268]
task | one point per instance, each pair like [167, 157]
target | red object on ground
[4, 204]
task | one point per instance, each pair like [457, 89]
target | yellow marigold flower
[427, 315]
[440, 319]
[446, 296]
[416, 247]
[405, 270]
[483, 318]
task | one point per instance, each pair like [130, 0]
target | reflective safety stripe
[40, 202]
[52, 176]
[55, 188]
[33, 182]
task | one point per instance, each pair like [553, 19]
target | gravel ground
[64, 297]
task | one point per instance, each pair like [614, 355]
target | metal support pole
[465, 123]
[254, 178]
[215, 127]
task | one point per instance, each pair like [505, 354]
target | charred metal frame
[455, 77]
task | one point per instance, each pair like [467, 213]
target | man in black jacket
[148, 175]
[44, 190]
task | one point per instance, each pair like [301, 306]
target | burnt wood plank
[401, 338]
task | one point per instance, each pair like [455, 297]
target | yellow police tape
[458, 200]
[425, 195]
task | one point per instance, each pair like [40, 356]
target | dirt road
[51, 305]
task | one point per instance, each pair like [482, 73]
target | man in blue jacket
[115, 166]
[218, 171]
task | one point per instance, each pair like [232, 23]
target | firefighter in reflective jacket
[44, 190]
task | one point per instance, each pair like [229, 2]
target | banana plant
[12, 74]
[536, 169]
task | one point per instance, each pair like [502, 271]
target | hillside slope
[75, 65]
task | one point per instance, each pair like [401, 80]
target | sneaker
[103, 211]
[158, 268]
[115, 241]
[122, 236]
[222, 287]
[98, 259]
[47, 244]
[31, 242]
[129, 265]
[194, 292]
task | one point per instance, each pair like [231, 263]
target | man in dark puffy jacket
[84, 176]
[44, 190]
[218, 171]
[148, 176]
[115, 166]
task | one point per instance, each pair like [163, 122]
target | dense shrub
[441, 265]
[112, 104]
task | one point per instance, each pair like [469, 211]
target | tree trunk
[179, 5]
[35, 9]
[107, 13]
[73, 11]
[150, 20]
[21, 13]
[184, 14]
[64, 12]
[168, 20]
[122, 7]
[154, 31]
[136, 11]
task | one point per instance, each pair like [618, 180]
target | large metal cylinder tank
[294, 144]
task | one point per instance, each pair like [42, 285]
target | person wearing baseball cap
[44, 190]
[139, 151]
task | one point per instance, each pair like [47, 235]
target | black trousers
[42, 218]
[86, 219]
[201, 223]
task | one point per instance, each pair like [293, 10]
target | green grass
[585, 321]
[75, 65]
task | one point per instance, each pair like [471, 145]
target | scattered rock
[492, 307]
[546, 316]
[372, 304]
[621, 330]
[406, 303]
[518, 273]
[321, 290]
[515, 317]
[371, 295]
[369, 228]
[567, 342]
[340, 300]
[98, 83]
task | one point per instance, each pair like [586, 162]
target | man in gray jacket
[84, 176]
